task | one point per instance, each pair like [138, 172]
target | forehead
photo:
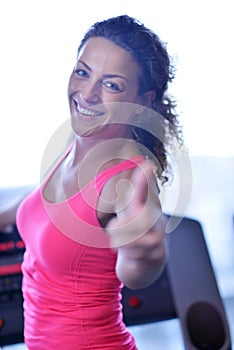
[102, 51]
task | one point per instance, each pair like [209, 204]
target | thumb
[141, 180]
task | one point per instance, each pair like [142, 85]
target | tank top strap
[108, 173]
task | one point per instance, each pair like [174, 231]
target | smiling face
[103, 75]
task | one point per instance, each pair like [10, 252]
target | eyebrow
[105, 75]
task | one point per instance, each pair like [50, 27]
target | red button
[1, 323]
[134, 301]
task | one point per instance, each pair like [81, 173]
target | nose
[91, 92]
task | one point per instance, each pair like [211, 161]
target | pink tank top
[72, 296]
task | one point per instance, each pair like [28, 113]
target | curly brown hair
[156, 72]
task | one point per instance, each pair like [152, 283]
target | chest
[67, 182]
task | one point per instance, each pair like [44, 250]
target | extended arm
[138, 232]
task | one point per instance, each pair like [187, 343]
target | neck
[100, 151]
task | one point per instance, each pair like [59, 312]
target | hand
[138, 231]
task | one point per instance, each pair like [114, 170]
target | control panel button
[1, 323]
[134, 301]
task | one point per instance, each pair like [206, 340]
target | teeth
[86, 111]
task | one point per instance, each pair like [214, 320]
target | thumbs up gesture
[137, 230]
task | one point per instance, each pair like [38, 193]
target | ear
[148, 97]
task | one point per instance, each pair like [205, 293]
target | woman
[95, 223]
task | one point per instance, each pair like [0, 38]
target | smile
[88, 112]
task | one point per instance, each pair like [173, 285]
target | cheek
[72, 85]
[128, 97]
[69, 86]
[131, 95]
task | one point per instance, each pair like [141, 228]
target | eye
[81, 72]
[112, 86]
